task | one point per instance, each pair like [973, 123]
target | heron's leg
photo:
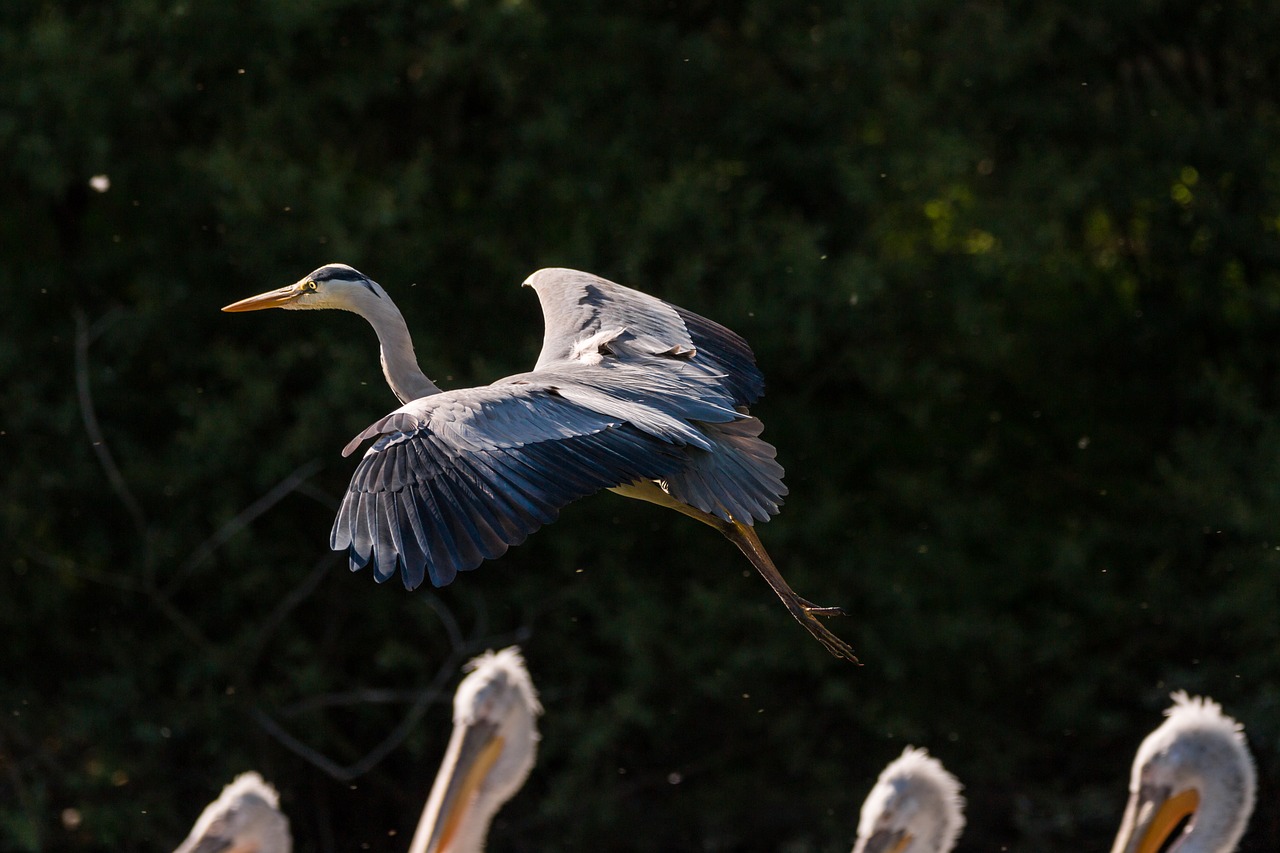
[744, 536]
[748, 541]
[805, 612]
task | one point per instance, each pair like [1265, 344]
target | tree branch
[421, 701]
[83, 337]
[242, 520]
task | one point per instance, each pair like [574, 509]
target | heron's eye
[309, 285]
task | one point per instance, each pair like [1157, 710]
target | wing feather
[442, 553]
[454, 512]
[740, 479]
[484, 500]
[454, 494]
[461, 476]
[340, 537]
[515, 510]
[729, 352]
[366, 529]
[388, 534]
[580, 308]
[413, 554]
[577, 306]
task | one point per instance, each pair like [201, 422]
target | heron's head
[245, 819]
[330, 286]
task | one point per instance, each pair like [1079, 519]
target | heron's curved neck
[399, 364]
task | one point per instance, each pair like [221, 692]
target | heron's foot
[809, 619]
[818, 610]
[807, 614]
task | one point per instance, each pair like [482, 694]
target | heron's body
[629, 393]
[1193, 784]
[246, 818]
[490, 754]
[914, 807]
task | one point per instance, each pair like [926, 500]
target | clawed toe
[807, 616]
[833, 644]
[815, 610]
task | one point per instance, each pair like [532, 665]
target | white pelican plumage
[246, 818]
[915, 807]
[1193, 777]
[490, 754]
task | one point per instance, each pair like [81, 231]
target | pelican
[915, 807]
[246, 818]
[629, 393]
[1193, 780]
[490, 754]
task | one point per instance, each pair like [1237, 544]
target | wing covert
[578, 306]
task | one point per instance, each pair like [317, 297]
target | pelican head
[915, 807]
[246, 818]
[489, 756]
[1193, 777]
[330, 286]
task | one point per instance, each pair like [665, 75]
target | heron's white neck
[399, 364]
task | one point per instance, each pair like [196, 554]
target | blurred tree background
[1012, 271]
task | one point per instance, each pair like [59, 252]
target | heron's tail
[739, 479]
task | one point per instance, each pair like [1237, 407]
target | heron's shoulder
[553, 279]
[579, 300]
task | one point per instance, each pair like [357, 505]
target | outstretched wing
[456, 478]
[584, 313]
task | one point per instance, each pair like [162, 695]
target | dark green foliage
[1012, 272]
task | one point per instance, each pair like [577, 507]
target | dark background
[1010, 269]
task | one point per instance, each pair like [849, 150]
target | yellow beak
[1151, 819]
[478, 751]
[270, 299]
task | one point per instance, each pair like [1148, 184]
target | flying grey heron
[490, 754]
[914, 807]
[1193, 783]
[630, 393]
[246, 818]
